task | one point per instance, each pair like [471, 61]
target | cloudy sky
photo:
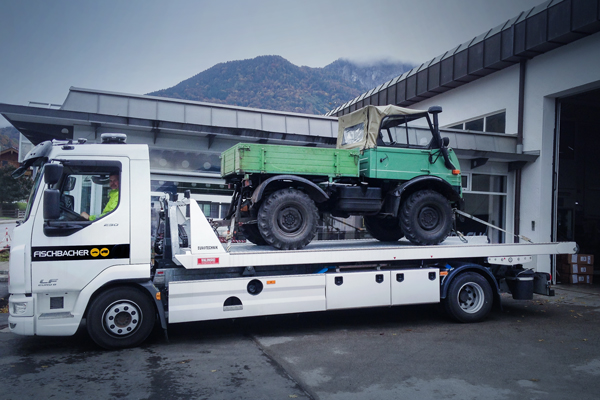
[139, 46]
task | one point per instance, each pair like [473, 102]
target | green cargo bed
[254, 158]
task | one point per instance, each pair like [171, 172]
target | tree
[13, 189]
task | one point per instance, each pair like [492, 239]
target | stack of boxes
[576, 268]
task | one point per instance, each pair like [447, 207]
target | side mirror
[52, 173]
[51, 203]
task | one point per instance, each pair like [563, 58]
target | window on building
[495, 123]
[475, 125]
[485, 198]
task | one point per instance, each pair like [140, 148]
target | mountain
[273, 83]
[368, 76]
[9, 137]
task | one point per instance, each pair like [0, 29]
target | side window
[90, 195]
[401, 136]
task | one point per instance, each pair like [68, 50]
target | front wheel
[426, 217]
[469, 298]
[287, 220]
[120, 317]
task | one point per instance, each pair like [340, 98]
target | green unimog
[404, 181]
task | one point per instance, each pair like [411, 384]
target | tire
[287, 220]
[426, 217]
[469, 298]
[252, 233]
[133, 312]
[384, 229]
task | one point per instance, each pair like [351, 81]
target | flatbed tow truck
[67, 272]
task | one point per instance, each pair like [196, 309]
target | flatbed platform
[365, 250]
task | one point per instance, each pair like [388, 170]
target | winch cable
[464, 214]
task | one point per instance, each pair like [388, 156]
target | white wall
[565, 71]
[496, 92]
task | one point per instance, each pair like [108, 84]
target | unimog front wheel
[426, 217]
[384, 229]
[287, 220]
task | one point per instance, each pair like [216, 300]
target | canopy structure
[351, 127]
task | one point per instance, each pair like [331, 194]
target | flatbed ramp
[357, 251]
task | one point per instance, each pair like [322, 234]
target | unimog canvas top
[351, 127]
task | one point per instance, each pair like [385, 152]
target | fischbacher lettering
[60, 253]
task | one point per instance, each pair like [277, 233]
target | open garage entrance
[578, 191]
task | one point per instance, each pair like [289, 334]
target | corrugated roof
[543, 28]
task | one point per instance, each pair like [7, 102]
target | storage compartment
[520, 283]
[357, 199]
[415, 286]
[358, 289]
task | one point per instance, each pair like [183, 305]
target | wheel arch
[470, 267]
[435, 183]
[147, 288]
[282, 181]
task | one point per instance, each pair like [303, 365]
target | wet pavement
[545, 348]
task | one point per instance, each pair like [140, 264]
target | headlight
[18, 308]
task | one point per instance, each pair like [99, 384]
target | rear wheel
[384, 229]
[426, 217]
[288, 219]
[252, 233]
[469, 298]
[120, 317]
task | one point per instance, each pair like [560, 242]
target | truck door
[402, 153]
[68, 252]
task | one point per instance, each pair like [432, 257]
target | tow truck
[105, 275]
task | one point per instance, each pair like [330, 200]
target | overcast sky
[139, 46]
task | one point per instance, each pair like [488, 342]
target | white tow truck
[104, 273]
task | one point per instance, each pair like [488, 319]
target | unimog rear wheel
[384, 229]
[252, 234]
[426, 217]
[287, 220]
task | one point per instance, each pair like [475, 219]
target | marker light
[456, 172]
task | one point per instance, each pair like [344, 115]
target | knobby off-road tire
[287, 219]
[469, 298]
[252, 233]
[426, 217]
[384, 229]
[120, 317]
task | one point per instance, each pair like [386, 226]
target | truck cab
[61, 257]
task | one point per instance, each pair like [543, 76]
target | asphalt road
[529, 350]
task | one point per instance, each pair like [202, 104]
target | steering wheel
[70, 215]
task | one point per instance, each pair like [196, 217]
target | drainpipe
[521, 116]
